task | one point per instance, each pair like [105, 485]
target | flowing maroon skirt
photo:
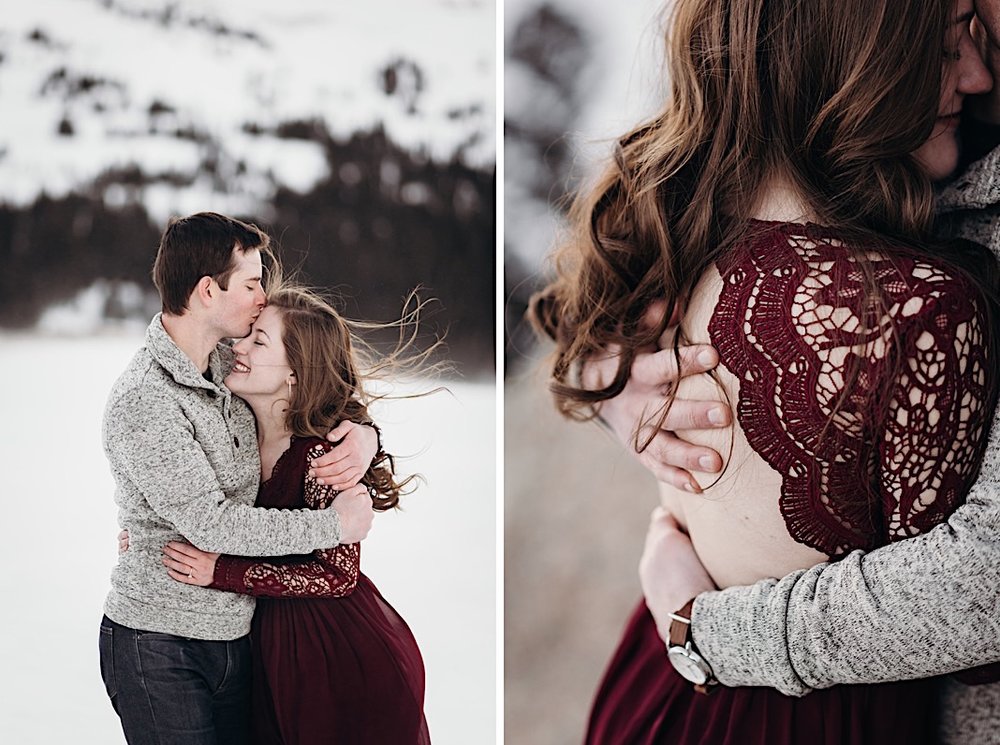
[336, 671]
[642, 700]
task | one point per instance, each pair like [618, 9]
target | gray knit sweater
[920, 607]
[183, 452]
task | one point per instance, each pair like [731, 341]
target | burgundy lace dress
[895, 460]
[333, 663]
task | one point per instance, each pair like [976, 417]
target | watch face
[689, 664]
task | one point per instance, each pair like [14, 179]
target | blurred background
[578, 74]
[361, 136]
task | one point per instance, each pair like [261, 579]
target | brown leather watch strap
[680, 630]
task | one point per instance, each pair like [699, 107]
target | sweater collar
[977, 187]
[180, 367]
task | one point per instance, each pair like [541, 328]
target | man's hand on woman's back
[654, 373]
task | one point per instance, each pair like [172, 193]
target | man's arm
[920, 607]
[916, 608]
[159, 453]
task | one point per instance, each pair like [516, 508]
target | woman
[333, 662]
[785, 193]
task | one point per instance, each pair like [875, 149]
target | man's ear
[204, 291]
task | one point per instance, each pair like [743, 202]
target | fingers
[354, 491]
[332, 457]
[670, 450]
[687, 414]
[660, 368]
[354, 507]
[178, 566]
[339, 475]
[345, 480]
[196, 581]
[182, 551]
[340, 431]
[179, 576]
[675, 477]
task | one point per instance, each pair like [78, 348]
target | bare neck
[192, 337]
[780, 202]
[273, 437]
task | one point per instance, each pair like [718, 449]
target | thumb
[662, 517]
[340, 431]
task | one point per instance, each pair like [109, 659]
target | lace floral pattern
[874, 417]
[331, 572]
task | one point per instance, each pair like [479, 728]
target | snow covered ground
[435, 561]
[170, 85]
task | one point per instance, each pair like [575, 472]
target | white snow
[434, 561]
[279, 62]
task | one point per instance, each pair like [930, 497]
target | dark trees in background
[550, 50]
[382, 223]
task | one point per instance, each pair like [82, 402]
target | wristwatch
[680, 650]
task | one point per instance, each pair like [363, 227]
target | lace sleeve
[329, 572]
[938, 408]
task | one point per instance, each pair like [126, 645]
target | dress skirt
[336, 671]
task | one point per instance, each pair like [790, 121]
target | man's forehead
[248, 263]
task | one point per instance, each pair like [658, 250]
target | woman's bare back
[799, 484]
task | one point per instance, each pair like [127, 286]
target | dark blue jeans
[169, 690]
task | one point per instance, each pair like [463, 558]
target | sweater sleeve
[155, 446]
[326, 573]
[918, 607]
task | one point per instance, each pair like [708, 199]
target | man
[183, 452]
[917, 608]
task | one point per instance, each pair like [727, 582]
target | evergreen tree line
[383, 222]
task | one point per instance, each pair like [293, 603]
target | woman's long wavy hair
[831, 96]
[334, 370]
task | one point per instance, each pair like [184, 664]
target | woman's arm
[329, 572]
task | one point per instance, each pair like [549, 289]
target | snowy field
[435, 561]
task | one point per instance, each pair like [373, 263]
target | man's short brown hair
[201, 246]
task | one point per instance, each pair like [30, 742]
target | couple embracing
[235, 497]
[779, 216]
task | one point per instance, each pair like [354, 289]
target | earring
[289, 382]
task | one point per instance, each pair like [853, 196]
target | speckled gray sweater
[183, 452]
[921, 607]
